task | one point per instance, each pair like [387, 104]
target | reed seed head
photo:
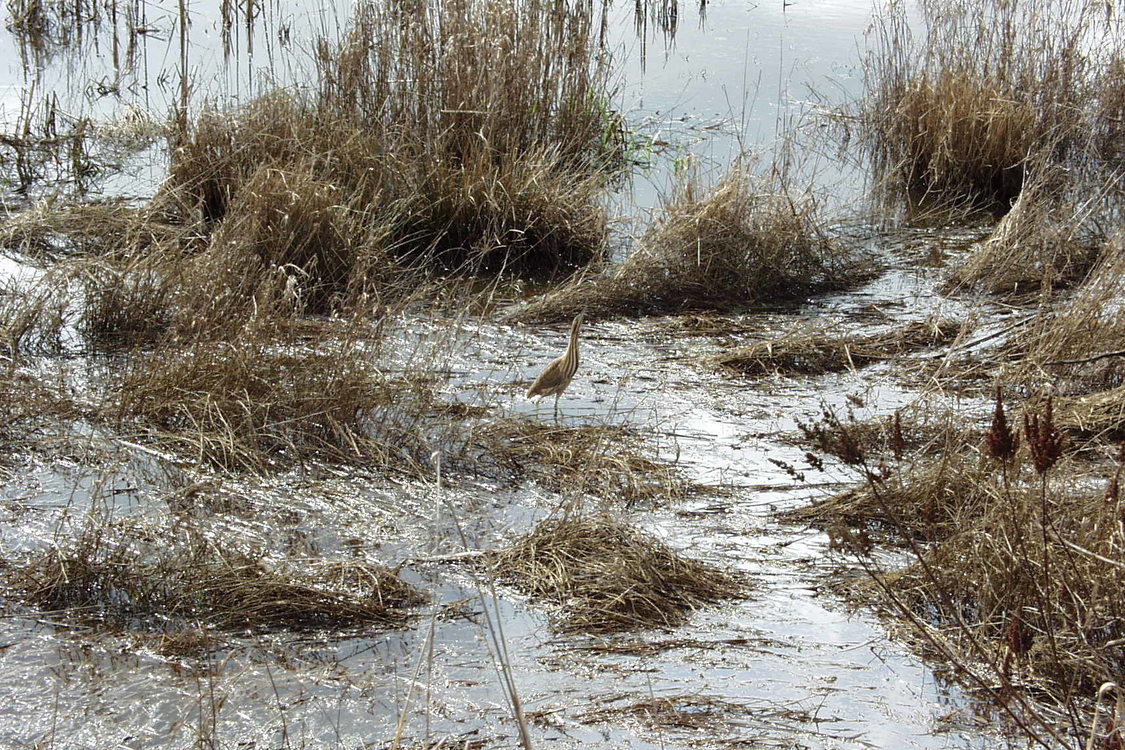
[1043, 438]
[1001, 442]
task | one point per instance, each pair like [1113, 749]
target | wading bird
[556, 377]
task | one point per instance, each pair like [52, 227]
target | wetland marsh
[839, 467]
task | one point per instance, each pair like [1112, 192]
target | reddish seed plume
[1112, 491]
[1043, 439]
[1017, 637]
[1001, 442]
[898, 444]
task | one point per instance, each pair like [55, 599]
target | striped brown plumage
[557, 375]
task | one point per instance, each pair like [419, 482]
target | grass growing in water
[254, 404]
[744, 242]
[609, 462]
[1077, 345]
[490, 159]
[132, 575]
[814, 353]
[609, 576]
[1050, 239]
[953, 119]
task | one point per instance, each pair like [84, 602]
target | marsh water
[792, 665]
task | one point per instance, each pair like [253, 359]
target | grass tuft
[953, 116]
[253, 405]
[814, 352]
[608, 577]
[742, 243]
[137, 576]
[1050, 239]
[450, 136]
[609, 462]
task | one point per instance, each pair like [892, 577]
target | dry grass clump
[928, 497]
[1036, 576]
[255, 404]
[32, 316]
[51, 230]
[123, 307]
[1078, 344]
[449, 135]
[711, 325]
[606, 461]
[287, 219]
[1099, 416]
[954, 133]
[1017, 559]
[954, 117]
[814, 352]
[694, 712]
[607, 577]
[140, 576]
[441, 136]
[742, 243]
[1047, 240]
[30, 406]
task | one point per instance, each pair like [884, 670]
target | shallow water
[791, 666]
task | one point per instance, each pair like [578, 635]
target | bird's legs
[557, 408]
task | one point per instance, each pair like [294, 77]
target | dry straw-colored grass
[256, 404]
[441, 136]
[1049, 239]
[1099, 416]
[49, 230]
[1073, 345]
[674, 712]
[32, 317]
[953, 114]
[129, 574]
[610, 462]
[745, 242]
[1018, 556]
[448, 134]
[607, 577]
[808, 352]
[31, 407]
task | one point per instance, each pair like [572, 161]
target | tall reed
[952, 116]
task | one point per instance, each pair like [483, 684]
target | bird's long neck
[572, 347]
